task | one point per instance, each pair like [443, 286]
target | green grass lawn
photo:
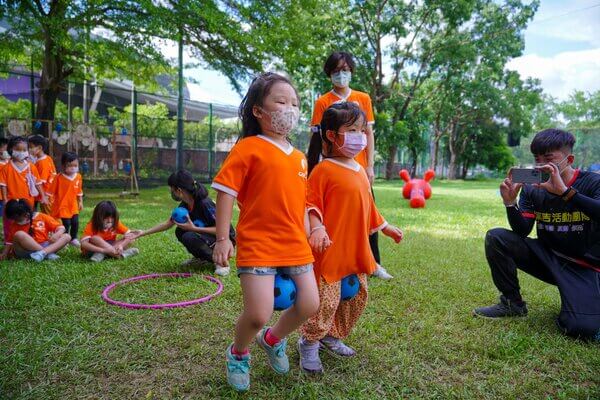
[417, 338]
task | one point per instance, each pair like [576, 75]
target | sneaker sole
[262, 345]
[308, 371]
[497, 318]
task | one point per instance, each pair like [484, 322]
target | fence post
[211, 142]
[134, 128]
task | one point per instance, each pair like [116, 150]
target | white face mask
[20, 155]
[72, 171]
[284, 121]
[107, 226]
[4, 155]
[23, 222]
[354, 143]
[341, 78]
[560, 170]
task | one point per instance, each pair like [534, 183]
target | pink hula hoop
[109, 288]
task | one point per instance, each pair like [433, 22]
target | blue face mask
[341, 78]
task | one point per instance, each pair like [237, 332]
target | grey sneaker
[309, 357]
[52, 257]
[130, 252]
[238, 371]
[97, 257]
[505, 308]
[381, 273]
[337, 347]
[75, 243]
[38, 256]
[277, 357]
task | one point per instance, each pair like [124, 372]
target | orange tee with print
[65, 192]
[46, 170]
[15, 181]
[2, 165]
[341, 195]
[43, 225]
[269, 182]
[363, 100]
[108, 235]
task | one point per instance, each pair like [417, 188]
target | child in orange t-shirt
[100, 234]
[66, 192]
[342, 214]
[32, 235]
[267, 176]
[38, 146]
[19, 178]
[4, 157]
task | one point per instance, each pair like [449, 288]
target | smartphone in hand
[528, 175]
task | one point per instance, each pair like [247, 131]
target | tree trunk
[413, 166]
[465, 169]
[389, 166]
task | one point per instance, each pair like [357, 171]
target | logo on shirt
[303, 165]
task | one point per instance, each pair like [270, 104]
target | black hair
[3, 141]
[67, 157]
[334, 59]
[184, 180]
[550, 140]
[104, 209]
[38, 140]
[258, 90]
[16, 208]
[336, 116]
[13, 141]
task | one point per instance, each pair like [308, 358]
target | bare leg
[22, 241]
[258, 307]
[58, 244]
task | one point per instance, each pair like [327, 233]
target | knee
[308, 307]
[20, 235]
[493, 235]
[258, 321]
[66, 237]
[580, 328]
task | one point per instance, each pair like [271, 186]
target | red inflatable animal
[417, 190]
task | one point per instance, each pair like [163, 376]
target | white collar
[354, 167]
[20, 169]
[287, 150]
[68, 177]
[342, 98]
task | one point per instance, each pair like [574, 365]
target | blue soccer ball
[199, 223]
[180, 215]
[284, 292]
[350, 287]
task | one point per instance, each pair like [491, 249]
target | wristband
[569, 193]
[316, 228]
[221, 239]
[510, 205]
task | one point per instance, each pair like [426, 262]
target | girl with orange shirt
[32, 235]
[267, 177]
[66, 192]
[342, 214]
[38, 146]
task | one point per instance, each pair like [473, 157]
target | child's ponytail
[315, 149]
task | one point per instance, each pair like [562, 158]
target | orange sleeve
[3, 172]
[230, 177]
[122, 229]
[368, 109]
[376, 221]
[316, 193]
[51, 223]
[88, 232]
[318, 112]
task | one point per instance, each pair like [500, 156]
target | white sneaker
[381, 273]
[221, 271]
[52, 256]
[132, 251]
[97, 257]
[75, 243]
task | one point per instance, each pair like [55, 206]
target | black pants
[374, 240]
[579, 287]
[71, 225]
[200, 245]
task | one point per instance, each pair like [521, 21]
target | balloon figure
[417, 190]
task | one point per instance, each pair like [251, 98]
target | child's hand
[393, 232]
[117, 250]
[80, 206]
[134, 234]
[222, 252]
[187, 225]
[319, 240]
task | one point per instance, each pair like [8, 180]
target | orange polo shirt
[43, 225]
[341, 195]
[108, 235]
[2, 165]
[65, 192]
[15, 181]
[269, 182]
[46, 170]
[363, 100]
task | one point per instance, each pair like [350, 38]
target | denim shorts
[296, 270]
[24, 254]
